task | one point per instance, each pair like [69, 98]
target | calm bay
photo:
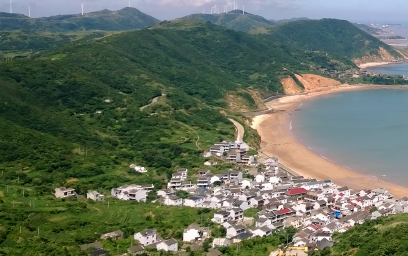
[365, 131]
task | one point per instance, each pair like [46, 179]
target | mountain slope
[100, 86]
[125, 19]
[339, 38]
[235, 20]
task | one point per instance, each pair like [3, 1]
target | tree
[182, 194]
[206, 245]
[217, 183]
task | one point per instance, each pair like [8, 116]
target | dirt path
[154, 101]
[198, 139]
[240, 130]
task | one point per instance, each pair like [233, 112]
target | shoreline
[379, 64]
[277, 140]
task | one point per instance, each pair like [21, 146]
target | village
[279, 198]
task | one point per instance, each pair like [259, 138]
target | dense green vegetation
[33, 224]
[23, 43]
[125, 19]
[341, 39]
[383, 236]
[74, 112]
[235, 20]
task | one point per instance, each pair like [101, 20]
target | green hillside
[98, 88]
[23, 43]
[235, 20]
[384, 236]
[125, 19]
[340, 38]
[73, 117]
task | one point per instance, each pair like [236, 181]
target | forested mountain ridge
[337, 37]
[124, 19]
[100, 86]
[235, 20]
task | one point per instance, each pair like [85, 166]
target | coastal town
[276, 197]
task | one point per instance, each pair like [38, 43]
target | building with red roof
[299, 193]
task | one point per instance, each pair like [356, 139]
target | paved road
[240, 130]
[154, 101]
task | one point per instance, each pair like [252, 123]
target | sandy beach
[374, 64]
[277, 140]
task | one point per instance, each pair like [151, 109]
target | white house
[96, 196]
[170, 245]
[64, 192]
[263, 222]
[221, 242]
[132, 192]
[260, 178]
[235, 176]
[146, 237]
[221, 217]
[235, 230]
[246, 183]
[192, 232]
[140, 169]
[262, 231]
[194, 201]
[204, 182]
[173, 200]
[237, 213]
[266, 186]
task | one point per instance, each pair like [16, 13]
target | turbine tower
[82, 9]
[243, 9]
[11, 6]
[29, 11]
[129, 3]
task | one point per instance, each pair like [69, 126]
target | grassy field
[53, 225]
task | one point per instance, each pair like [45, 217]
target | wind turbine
[11, 6]
[129, 3]
[82, 9]
[29, 11]
[243, 9]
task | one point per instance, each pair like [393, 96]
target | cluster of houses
[355, 73]
[150, 239]
[315, 208]
[232, 152]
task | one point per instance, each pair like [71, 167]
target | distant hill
[125, 19]
[340, 38]
[235, 20]
[370, 30]
[290, 20]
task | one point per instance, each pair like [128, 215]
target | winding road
[154, 101]
[240, 129]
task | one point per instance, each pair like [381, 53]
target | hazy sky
[380, 11]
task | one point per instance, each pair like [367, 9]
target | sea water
[392, 69]
[365, 131]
